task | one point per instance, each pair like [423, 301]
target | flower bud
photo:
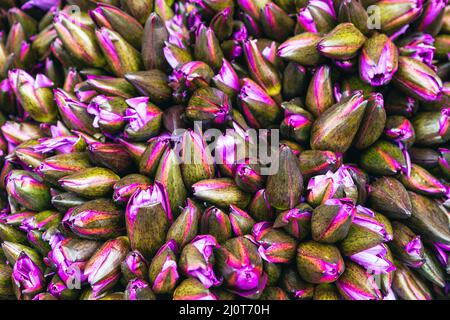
[301, 49]
[432, 128]
[389, 196]
[274, 245]
[134, 266]
[295, 286]
[54, 168]
[335, 129]
[138, 289]
[208, 105]
[163, 271]
[109, 113]
[207, 47]
[192, 289]
[103, 268]
[408, 285]
[356, 284]
[375, 260]
[97, 219]
[91, 182]
[27, 278]
[221, 192]
[240, 264]
[383, 158]
[28, 190]
[407, 246]
[151, 83]
[144, 119]
[378, 61]
[148, 216]
[35, 95]
[417, 80]
[319, 263]
[429, 218]
[276, 22]
[78, 39]
[197, 260]
[331, 221]
[341, 43]
[128, 185]
[317, 17]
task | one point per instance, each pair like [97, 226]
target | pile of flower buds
[101, 104]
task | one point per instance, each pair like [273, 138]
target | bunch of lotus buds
[128, 131]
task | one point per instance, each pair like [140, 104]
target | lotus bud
[389, 196]
[59, 289]
[54, 168]
[296, 221]
[227, 80]
[331, 221]
[221, 192]
[429, 218]
[169, 175]
[103, 268]
[356, 284]
[238, 261]
[383, 158]
[339, 124]
[188, 77]
[134, 266]
[326, 291]
[319, 96]
[27, 154]
[176, 56]
[274, 245]
[163, 271]
[319, 263]
[375, 260]
[155, 34]
[79, 39]
[417, 80]
[34, 95]
[408, 285]
[431, 19]
[150, 158]
[197, 260]
[431, 269]
[378, 61]
[257, 105]
[11, 234]
[222, 24]
[260, 208]
[367, 230]
[144, 119]
[73, 113]
[128, 185]
[315, 162]
[111, 17]
[395, 17]
[421, 181]
[353, 11]
[432, 128]
[294, 81]
[27, 278]
[241, 222]
[120, 56]
[91, 182]
[207, 47]
[28, 190]
[419, 46]
[341, 43]
[185, 226]
[301, 49]
[297, 122]
[109, 113]
[96, 219]
[208, 105]
[285, 187]
[151, 83]
[407, 246]
[148, 209]
[41, 221]
[113, 156]
[276, 22]
[317, 17]
[295, 286]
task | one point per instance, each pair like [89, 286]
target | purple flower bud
[378, 61]
[144, 118]
[197, 260]
[163, 270]
[104, 114]
[134, 266]
[374, 259]
[419, 46]
[27, 277]
[63, 144]
[364, 220]
[227, 78]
